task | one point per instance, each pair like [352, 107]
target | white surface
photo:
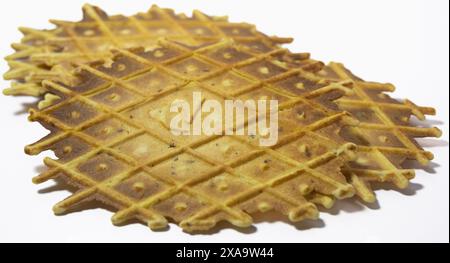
[402, 42]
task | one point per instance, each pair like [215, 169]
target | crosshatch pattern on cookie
[126, 156]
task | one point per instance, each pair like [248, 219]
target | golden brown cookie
[49, 54]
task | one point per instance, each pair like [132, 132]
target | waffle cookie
[49, 54]
[108, 115]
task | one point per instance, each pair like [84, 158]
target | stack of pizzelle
[106, 85]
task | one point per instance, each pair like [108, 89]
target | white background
[402, 42]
